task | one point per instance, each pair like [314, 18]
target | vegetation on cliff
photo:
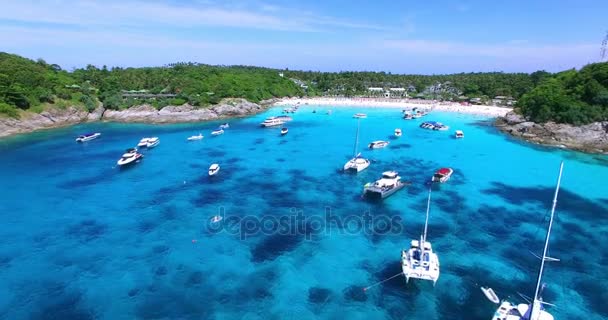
[575, 97]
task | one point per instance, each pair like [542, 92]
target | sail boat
[534, 310]
[357, 163]
[419, 261]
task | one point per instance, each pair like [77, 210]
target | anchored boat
[357, 163]
[442, 175]
[214, 169]
[130, 156]
[385, 186]
[194, 138]
[87, 137]
[377, 144]
[398, 132]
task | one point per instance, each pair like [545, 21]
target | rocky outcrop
[53, 118]
[587, 138]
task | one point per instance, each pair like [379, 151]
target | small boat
[87, 137]
[143, 143]
[385, 186]
[216, 219]
[214, 169]
[442, 175]
[434, 125]
[272, 122]
[130, 156]
[284, 131]
[440, 126]
[217, 132]
[459, 134]
[398, 133]
[357, 163]
[360, 115]
[193, 138]
[417, 115]
[490, 294]
[408, 116]
[377, 144]
[224, 126]
[152, 142]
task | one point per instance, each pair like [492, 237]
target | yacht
[357, 163]
[152, 142]
[377, 144]
[143, 143]
[535, 310]
[360, 115]
[419, 261]
[214, 169]
[398, 133]
[459, 134]
[385, 186]
[284, 131]
[88, 137]
[193, 138]
[217, 132]
[224, 126]
[442, 175]
[130, 156]
[272, 122]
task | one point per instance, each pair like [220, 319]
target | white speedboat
[284, 131]
[216, 219]
[87, 137]
[357, 163]
[420, 261]
[130, 156]
[143, 143]
[360, 115]
[377, 144]
[535, 310]
[272, 122]
[224, 126]
[385, 186]
[214, 169]
[152, 142]
[398, 133]
[217, 132]
[459, 134]
[442, 175]
[194, 138]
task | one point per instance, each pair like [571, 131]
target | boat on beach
[130, 156]
[194, 138]
[398, 133]
[377, 144]
[88, 137]
[442, 175]
[357, 163]
[214, 169]
[534, 309]
[385, 186]
[420, 261]
[152, 142]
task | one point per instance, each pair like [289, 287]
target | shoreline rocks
[590, 138]
[54, 118]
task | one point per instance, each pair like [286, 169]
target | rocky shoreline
[590, 138]
[55, 118]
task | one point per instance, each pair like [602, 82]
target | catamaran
[385, 186]
[419, 261]
[534, 310]
[357, 163]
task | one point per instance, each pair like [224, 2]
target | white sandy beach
[492, 111]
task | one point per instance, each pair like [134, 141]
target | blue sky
[399, 36]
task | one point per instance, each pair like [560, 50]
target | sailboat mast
[426, 222]
[357, 139]
[542, 261]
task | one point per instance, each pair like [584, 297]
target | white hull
[152, 144]
[356, 165]
[217, 133]
[125, 161]
[88, 138]
[214, 169]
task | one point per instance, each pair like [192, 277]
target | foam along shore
[491, 111]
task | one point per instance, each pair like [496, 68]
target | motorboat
[152, 142]
[420, 261]
[194, 138]
[284, 131]
[88, 137]
[272, 122]
[360, 115]
[357, 163]
[130, 156]
[398, 132]
[224, 126]
[417, 115]
[442, 175]
[434, 125]
[535, 308]
[385, 186]
[459, 134]
[408, 116]
[440, 126]
[143, 143]
[214, 169]
[490, 294]
[216, 219]
[377, 144]
[217, 132]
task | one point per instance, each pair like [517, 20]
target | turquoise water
[83, 239]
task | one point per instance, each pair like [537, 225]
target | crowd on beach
[446, 106]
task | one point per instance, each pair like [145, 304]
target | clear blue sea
[82, 239]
